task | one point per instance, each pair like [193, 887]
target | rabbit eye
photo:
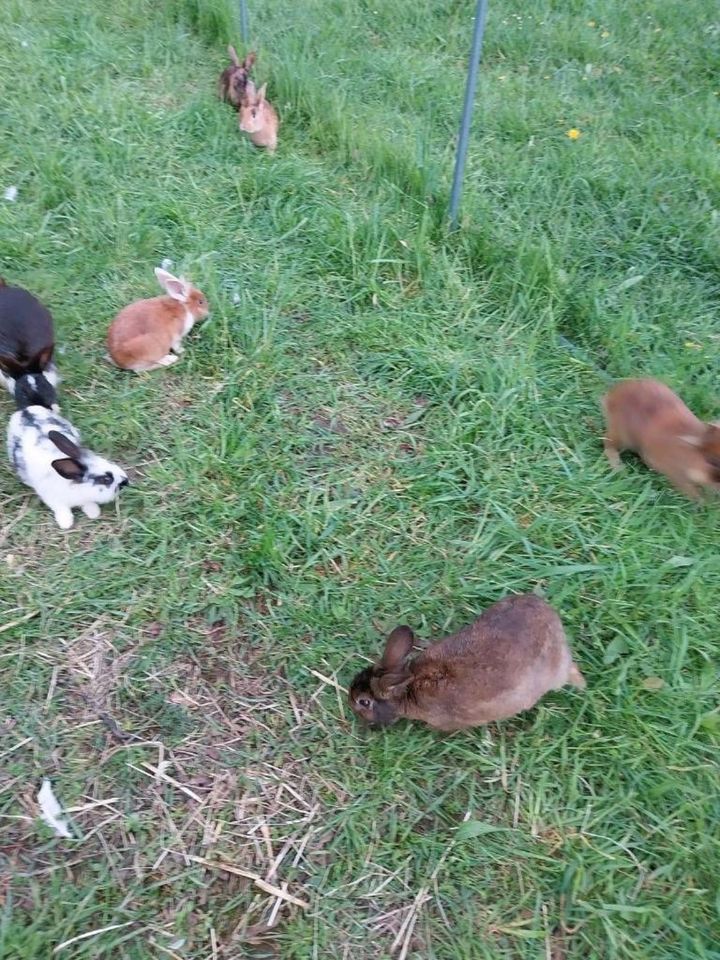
[254, 112]
[364, 702]
[106, 479]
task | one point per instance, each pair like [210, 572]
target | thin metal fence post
[473, 66]
[244, 29]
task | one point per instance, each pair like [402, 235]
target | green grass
[389, 425]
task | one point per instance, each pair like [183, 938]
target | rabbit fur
[647, 417]
[148, 334]
[233, 80]
[258, 118]
[46, 454]
[27, 343]
[500, 665]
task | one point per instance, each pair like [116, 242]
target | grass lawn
[380, 423]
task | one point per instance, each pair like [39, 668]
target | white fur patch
[189, 322]
[32, 454]
[695, 475]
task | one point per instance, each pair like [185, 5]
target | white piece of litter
[51, 811]
[11, 194]
[167, 263]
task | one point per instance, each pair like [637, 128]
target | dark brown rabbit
[647, 417]
[500, 665]
[233, 80]
[27, 343]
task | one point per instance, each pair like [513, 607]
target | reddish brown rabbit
[647, 417]
[148, 333]
[233, 79]
[500, 665]
[258, 118]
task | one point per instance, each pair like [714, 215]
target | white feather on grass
[51, 811]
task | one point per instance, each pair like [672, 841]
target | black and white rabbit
[27, 343]
[45, 452]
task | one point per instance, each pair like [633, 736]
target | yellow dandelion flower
[573, 133]
[591, 23]
[692, 346]
[605, 34]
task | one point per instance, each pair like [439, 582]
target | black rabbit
[27, 343]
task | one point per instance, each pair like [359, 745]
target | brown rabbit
[647, 417]
[500, 665]
[233, 79]
[143, 334]
[258, 118]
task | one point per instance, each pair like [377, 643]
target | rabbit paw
[91, 510]
[166, 360]
[63, 517]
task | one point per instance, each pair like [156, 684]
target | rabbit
[27, 343]
[233, 80]
[500, 665]
[143, 334]
[45, 452]
[258, 117]
[649, 418]
[36, 389]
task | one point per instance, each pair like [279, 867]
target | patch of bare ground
[221, 832]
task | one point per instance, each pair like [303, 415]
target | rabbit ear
[249, 60]
[391, 684]
[175, 287]
[398, 646]
[11, 366]
[261, 93]
[65, 445]
[43, 358]
[233, 55]
[69, 469]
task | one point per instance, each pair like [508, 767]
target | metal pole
[244, 29]
[474, 64]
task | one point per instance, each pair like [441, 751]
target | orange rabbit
[647, 417]
[148, 334]
[258, 118]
